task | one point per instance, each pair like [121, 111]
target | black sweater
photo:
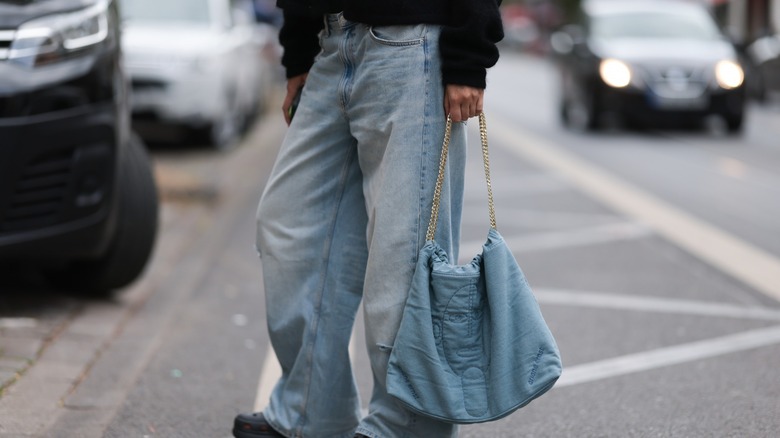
[471, 29]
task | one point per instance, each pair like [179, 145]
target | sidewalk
[50, 342]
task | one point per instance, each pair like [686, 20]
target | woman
[345, 211]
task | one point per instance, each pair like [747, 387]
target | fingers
[286, 108]
[293, 85]
[462, 102]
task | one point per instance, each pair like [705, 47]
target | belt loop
[342, 20]
[326, 28]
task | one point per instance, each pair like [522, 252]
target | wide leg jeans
[342, 218]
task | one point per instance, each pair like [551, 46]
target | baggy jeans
[343, 217]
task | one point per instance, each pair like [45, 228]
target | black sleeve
[468, 45]
[299, 37]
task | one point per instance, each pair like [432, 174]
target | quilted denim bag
[473, 345]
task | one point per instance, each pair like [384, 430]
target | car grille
[147, 84]
[39, 192]
[676, 81]
[6, 37]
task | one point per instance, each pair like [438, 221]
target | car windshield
[190, 11]
[654, 25]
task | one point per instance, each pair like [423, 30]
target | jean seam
[322, 284]
[277, 428]
[424, 150]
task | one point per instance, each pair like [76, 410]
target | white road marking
[521, 185]
[563, 239]
[546, 219]
[652, 304]
[742, 260]
[662, 357]
[269, 375]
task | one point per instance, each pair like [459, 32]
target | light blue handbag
[473, 345]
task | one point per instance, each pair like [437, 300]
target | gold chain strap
[440, 178]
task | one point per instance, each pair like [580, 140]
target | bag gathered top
[473, 345]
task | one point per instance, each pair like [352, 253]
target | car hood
[15, 12]
[644, 50]
[178, 39]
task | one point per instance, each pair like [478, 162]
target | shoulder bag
[473, 345]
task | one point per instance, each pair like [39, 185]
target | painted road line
[598, 300]
[565, 239]
[662, 357]
[548, 219]
[526, 184]
[269, 375]
[726, 252]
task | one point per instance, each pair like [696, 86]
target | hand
[293, 85]
[462, 102]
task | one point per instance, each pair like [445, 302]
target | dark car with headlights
[649, 61]
[77, 195]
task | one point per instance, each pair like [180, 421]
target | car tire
[578, 111]
[134, 234]
[224, 133]
[734, 123]
[579, 115]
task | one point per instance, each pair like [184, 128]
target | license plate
[678, 103]
[146, 98]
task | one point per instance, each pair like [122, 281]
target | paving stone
[13, 363]
[20, 347]
[7, 377]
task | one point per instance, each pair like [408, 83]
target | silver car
[196, 64]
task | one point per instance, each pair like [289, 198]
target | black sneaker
[253, 426]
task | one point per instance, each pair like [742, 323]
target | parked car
[647, 60]
[77, 195]
[764, 57]
[194, 64]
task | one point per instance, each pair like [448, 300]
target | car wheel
[579, 115]
[225, 132]
[734, 122]
[134, 234]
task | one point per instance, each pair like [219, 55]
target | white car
[194, 63]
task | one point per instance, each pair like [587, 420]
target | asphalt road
[655, 256]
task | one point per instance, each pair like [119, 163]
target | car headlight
[729, 74]
[615, 73]
[57, 37]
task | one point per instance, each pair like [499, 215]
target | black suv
[77, 195]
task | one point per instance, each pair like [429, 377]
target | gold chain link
[439, 181]
[442, 167]
[486, 162]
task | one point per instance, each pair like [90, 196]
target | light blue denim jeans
[343, 217]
